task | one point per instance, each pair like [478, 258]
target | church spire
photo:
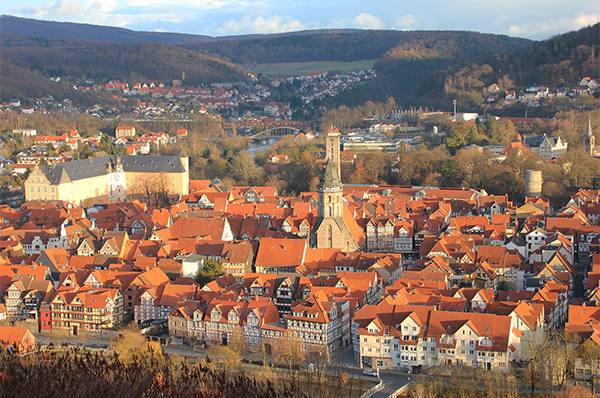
[330, 176]
[588, 132]
[589, 141]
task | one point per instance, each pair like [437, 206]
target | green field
[302, 68]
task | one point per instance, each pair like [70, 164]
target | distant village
[410, 277]
[229, 99]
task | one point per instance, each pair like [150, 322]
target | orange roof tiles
[274, 252]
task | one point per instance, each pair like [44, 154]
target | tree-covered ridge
[420, 76]
[372, 44]
[68, 30]
[459, 45]
[556, 61]
[129, 62]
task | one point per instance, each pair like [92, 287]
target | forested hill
[387, 45]
[125, 61]
[10, 25]
[28, 60]
[432, 73]
[556, 61]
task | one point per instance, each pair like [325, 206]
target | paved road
[393, 380]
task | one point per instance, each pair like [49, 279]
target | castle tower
[185, 162]
[589, 141]
[533, 183]
[332, 148]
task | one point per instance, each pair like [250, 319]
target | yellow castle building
[112, 177]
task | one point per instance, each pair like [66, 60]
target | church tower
[589, 141]
[331, 230]
[332, 148]
[330, 193]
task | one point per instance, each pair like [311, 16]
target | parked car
[372, 373]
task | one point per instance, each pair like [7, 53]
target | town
[299, 210]
[405, 278]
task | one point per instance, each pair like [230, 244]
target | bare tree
[589, 352]
[560, 356]
[152, 189]
[243, 166]
[287, 350]
[534, 372]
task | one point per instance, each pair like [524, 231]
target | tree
[561, 349]
[85, 152]
[237, 343]
[536, 364]
[105, 144]
[64, 148]
[210, 269]
[50, 150]
[224, 357]
[589, 353]
[287, 350]
[131, 345]
[243, 167]
[153, 147]
[152, 189]
[503, 285]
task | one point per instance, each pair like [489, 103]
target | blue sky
[534, 19]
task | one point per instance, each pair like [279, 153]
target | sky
[532, 19]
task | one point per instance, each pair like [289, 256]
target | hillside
[560, 61]
[405, 60]
[130, 62]
[556, 61]
[420, 75]
[428, 68]
[10, 25]
[352, 46]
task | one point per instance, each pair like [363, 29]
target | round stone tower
[533, 183]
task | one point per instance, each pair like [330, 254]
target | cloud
[368, 21]
[500, 19]
[272, 24]
[408, 21]
[542, 30]
[586, 19]
[58, 8]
